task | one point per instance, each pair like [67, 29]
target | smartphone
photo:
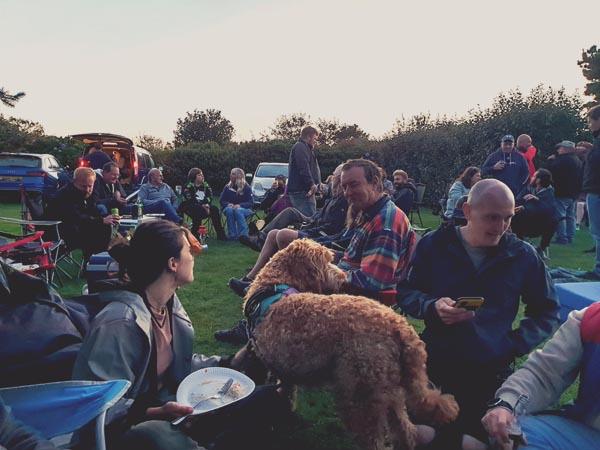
[469, 303]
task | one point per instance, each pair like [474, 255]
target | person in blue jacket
[236, 201]
[470, 353]
[507, 165]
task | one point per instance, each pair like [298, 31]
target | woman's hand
[169, 411]
[235, 206]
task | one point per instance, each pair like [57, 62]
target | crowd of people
[143, 334]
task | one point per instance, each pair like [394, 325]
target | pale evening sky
[135, 66]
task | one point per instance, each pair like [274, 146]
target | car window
[54, 164]
[150, 162]
[142, 161]
[271, 171]
[20, 161]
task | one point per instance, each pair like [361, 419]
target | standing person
[109, 192]
[525, 146]
[304, 173]
[95, 157]
[591, 186]
[460, 188]
[197, 203]
[567, 170]
[507, 165]
[75, 206]
[158, 197]
[236, 201]
[470, 353]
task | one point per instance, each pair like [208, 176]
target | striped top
[378, 255]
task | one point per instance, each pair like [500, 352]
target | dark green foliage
[19, 135]
[203, 126]
[590, 66]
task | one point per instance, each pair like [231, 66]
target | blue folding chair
[58, 410]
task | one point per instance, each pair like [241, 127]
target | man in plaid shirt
[378, 254]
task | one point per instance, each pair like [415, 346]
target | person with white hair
[158, 197]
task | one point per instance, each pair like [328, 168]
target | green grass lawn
[212, 306]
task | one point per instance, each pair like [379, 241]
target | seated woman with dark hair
[144, 335]
[197, 203]
[461, 187]
[535, 213]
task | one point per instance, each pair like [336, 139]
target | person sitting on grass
[328, 221]
[378, 253]
[236, 202]
[460, 188]
[405, 192]
[573, 351]
[143, 334]
[158, 197]
[469, 352]
[197, 203]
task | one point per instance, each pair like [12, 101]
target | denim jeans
[306, 205]
[593, 207]
[549, 432]
[236, 221]
[566, 208]
[163, 207]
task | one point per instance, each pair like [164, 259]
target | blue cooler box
[100, 267]
[576, 296]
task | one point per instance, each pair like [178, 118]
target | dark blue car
[34, 172]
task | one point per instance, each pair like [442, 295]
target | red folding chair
[29, 254]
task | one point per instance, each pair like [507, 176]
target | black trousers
[198, 214]
[473, 386]
[525, 224]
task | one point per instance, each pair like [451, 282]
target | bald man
[158, 197]
[471, 352]
[525, 146]
[82, 226]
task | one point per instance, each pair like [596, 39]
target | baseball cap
[508, 138]
[566, 144]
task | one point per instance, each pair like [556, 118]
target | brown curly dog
[370, 357]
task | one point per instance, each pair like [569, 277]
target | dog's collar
[258, 304]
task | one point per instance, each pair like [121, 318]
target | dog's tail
[425, 403]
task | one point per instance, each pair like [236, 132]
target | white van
[263, 178]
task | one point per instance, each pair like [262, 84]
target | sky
[134, 67]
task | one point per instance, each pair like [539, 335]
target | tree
[203, 126]
[9, 99]
[150, 143]
[288, 127]
[590, 66]
[332, 132]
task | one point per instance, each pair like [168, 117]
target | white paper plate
[206, 382]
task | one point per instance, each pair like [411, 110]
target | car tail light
[135, 168]
[37, 173]
[82, 162]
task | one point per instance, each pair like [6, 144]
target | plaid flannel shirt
[378, 255]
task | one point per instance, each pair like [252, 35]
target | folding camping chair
[29, 254]
[58, 410]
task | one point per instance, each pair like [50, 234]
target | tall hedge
[432, 151]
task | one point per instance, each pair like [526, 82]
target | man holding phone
[471, 352]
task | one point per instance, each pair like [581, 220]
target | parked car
[134, 162]
[263, 178]
[34, 172]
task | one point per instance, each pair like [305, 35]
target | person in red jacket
[528, 151]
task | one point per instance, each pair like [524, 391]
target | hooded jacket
[442, 268]
[120, 345]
